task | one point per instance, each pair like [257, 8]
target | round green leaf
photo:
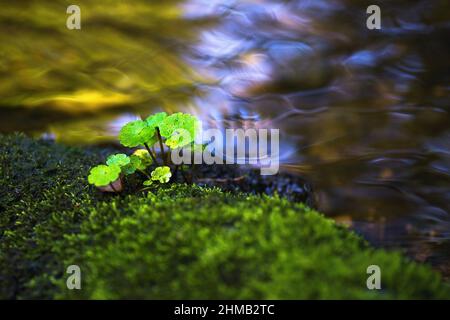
[171, 123]
[136, 133]
[136, 164]
[179, 138]
[119, 159]
[144, 156]
[155, 120]
[102, 175]
[161, 174]
[147, 183]
[175, 123]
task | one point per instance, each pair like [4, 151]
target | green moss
[179, 242]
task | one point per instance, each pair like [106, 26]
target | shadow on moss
[183, 242]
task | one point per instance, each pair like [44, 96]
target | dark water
[363, 114]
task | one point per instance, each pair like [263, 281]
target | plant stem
[161, 146]
[145, 174]
[151, 153]
[168, 157]
[112, 187]
[194, 172]
[175, 172]
[183, 175]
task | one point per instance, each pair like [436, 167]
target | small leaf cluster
[167, 131]
[118, 165]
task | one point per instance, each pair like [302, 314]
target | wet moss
[181, 241]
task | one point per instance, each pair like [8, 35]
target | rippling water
[363, 114]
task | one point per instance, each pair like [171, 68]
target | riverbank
[176, 242]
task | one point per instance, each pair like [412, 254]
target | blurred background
[363, 114]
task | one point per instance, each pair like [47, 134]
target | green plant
[102, 175]
[161, 174]
[169, 131]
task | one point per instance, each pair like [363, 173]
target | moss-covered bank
[180, 242]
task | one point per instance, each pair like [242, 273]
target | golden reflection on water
[125, 55]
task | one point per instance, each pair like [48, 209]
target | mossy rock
[178, 242]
